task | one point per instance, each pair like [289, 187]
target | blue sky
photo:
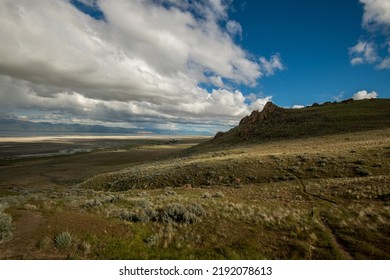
[313, 38]
[187, 65]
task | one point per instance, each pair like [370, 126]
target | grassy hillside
[311, 183]
[318, 198]
[275, 123]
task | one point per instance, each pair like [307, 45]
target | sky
[187, 65]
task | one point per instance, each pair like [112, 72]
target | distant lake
[62, 133]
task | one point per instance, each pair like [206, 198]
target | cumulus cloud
[385, 64]
[221, 108]
[376, 12]
[259, 103]
[338, 97]
[91, 3]
[234, 28]
[217, 81]
[298, 106]
[363, 94]
[143, 63]
[363, 52]
[376, 20]
[269, 67]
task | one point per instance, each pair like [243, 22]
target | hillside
[204, 164]
[309, 183]
[275, 123]
[322, 197]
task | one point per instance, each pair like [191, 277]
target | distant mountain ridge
[274, 123]
[9, 124]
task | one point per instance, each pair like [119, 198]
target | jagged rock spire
[257, 116]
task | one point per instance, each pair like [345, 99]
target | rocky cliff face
[248, 126]
[259, 116]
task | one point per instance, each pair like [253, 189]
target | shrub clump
[218, 195]
[99, 202]
[177, 212]
[91, 203]
[173, 212]
[206, 195]
[85, 247]
[5, 227]
[361, 171]
[43, 243]
[30, 207]
[170, 193]
[152, 240]
[63, 240]
[138, 214]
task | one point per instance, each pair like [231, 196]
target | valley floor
[317, 198]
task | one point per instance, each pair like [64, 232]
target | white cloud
[298, 106]
[217, 81]
[338, 97]
[363, 94]
[376, 12]
[144, 62]
[376, 20]
[357, 61]
[268, 67]
[219, 108]
[363, 52]
[385, 64]
[218, 7]
[234, 28]
[91, 3]
[259, 104]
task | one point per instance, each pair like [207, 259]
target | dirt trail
[334, 240]
[323, 199]
[338, 247]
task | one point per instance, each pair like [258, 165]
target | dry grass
[299, 199]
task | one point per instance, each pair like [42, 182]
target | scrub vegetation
[320, 196]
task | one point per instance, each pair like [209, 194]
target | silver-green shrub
[63, 240]
[5, 227]
[177, 212]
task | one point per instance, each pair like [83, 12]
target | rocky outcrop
[249, 125]
[274, 123]
[259, 116]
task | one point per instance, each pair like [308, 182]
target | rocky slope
[275, 123]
